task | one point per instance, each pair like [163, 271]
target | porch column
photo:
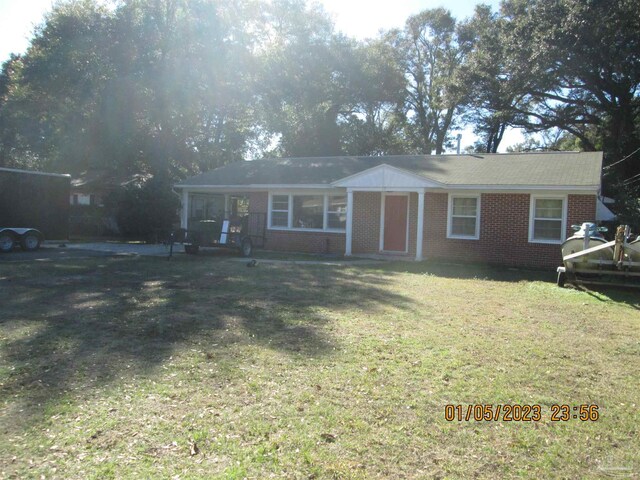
[347, 250]
[184, 214]
[420, 235]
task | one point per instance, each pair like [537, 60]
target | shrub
[147, 211]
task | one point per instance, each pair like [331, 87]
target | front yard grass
[203, 368]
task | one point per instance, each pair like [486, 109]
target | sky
[364, 18]
[356, 18]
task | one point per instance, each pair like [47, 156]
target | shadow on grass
[628, 296]
[474, 271]
[81, 325]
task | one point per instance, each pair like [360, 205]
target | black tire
[246, 248]
[562, 278]
[30, 242]
[191, 249]
[7, 241]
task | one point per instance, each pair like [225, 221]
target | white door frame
[382, 205]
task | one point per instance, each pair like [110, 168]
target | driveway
[54, 252]
[49, 254]
[157, 250]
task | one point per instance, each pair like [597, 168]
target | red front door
[395, 223]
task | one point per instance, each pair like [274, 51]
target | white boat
[587, 235]
[589, 258]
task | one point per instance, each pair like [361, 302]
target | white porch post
[184, 214]
[420, 235]
[347, 250]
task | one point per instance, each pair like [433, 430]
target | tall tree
[192, 70]
[57, 86]
[496, 91]
[157, 85]
[431, 58]
[14, 148]
[582, 61]
[306, 76]
[374, 126]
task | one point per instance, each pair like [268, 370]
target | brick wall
[366, 222]
[582, 208]
[504, 230]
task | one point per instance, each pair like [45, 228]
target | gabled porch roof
[386, 177]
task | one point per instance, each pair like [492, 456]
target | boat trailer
[599, 262]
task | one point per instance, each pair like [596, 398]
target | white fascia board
[393, 189]
[386, 177]
[339, 185]
[256, 187]
[16, 170]
[519, 188]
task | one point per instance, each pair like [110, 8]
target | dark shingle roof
[553, 169]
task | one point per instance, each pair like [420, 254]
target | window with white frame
[547, 222]
[308, 212]
[280, 211]
[337, 212]
[464, 217]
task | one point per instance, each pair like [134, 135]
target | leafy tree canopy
[173, 87]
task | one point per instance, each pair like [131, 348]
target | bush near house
[92, 220]
[146, 211]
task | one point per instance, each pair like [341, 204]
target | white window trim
[270, 209]
[289, 227]
[532, 210]
[327, 212]
[476, 235]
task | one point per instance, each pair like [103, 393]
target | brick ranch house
[509, 209]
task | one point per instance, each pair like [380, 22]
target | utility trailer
[239, 233]
[599, 262]
[29, 239]
[33, 205]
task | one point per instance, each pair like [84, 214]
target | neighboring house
[88, 195]
[94, 186]
[510, 209]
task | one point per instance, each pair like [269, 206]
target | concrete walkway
[334, 263]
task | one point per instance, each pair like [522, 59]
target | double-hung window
[464, 217]
[547, 222]
[280, 211]
[337, 212]
[307, 212]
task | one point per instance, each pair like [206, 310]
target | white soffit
[386, 176]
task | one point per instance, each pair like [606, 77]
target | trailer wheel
[246, 248]
[6, 242]
[562, 278]
[191, 249]
[30, 242]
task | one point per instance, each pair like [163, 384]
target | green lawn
[201, 367]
